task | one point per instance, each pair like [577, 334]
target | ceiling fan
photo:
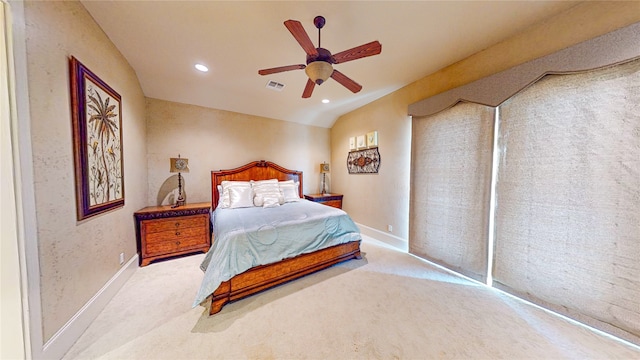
[319, 60]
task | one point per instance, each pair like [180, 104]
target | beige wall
[77, 258]
[384, 198]
[216, 139]
[11, 327]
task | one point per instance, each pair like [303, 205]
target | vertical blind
[450, 187]
[568, 197]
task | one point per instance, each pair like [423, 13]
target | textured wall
[77, 258]
[384, 198]
[215, 139]
[376, 200]
[11, 327]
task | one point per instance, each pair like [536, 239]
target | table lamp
[179, 165]
[324, 169]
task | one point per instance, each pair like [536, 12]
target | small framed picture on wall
[361, 142]
[352, 143]
[372, 139]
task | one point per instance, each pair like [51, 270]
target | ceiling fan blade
[369, 49]
[346, 82]
[298, 32]
[281, 69]
[308, 89]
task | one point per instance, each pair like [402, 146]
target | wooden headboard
[257, 170]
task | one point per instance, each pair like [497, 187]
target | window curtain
[568, 197]
[450, 187]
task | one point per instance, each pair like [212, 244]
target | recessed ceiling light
[325, 101]
[202, 68]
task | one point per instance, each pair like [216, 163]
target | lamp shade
[324, 168]
[179, 165]
[319, 71]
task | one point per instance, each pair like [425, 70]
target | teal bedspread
[248, 237]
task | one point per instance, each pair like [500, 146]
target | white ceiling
[163, 40]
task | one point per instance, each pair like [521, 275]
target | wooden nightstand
[164, 231]
[334, 200]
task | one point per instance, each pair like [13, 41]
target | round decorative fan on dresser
[320, 61]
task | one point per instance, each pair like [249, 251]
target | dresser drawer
[178, 223]
[334, 203]
[172, 244]
[176, 235]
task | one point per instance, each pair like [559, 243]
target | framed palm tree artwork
[97, 141]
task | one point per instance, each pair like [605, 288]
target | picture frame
[96, 115]
[352, 143]
[361, 142]
[366, 161]
[372, 139]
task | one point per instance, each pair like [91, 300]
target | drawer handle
[177, 242]
[177, 233]
[177, 224]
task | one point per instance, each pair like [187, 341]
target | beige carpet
[387, 305]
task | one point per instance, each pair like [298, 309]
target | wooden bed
[266, 276]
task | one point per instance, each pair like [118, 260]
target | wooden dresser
[334, 200]
[163, 231]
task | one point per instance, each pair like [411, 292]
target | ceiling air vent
[275, 85]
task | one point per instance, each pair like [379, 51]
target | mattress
[253, 236]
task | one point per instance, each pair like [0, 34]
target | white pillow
[240, 197]
[268, 190]
[289, 190]
[289, 182]
[264, 184]
[270, 202]
[226, 185]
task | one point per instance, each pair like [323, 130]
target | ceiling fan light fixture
[319, 71]
[319, 66]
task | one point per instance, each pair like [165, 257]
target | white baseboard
[397, 242]
[62, 340]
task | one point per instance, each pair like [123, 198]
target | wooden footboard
[266, 276]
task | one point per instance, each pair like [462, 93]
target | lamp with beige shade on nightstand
[179, 165]
[324, 169]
